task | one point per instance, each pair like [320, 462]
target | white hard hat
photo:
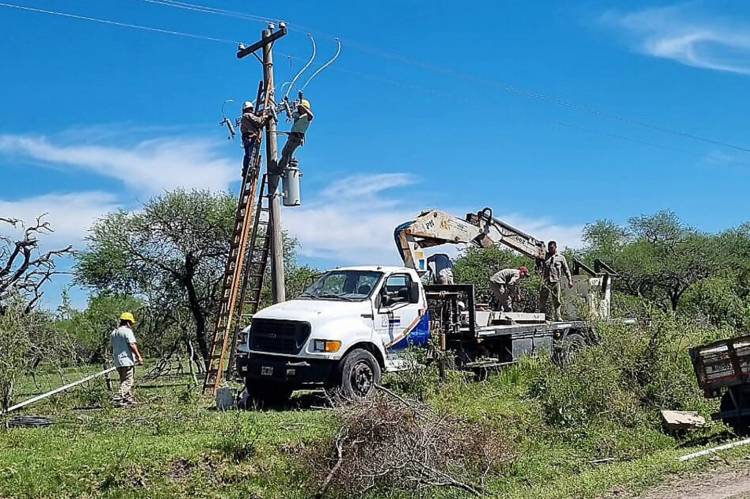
[248, 105]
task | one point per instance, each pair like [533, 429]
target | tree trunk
[196, 310]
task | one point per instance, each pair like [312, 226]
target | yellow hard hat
[306, 104]
[127, 316]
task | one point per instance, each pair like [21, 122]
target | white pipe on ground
[56, 390]
[713, 450]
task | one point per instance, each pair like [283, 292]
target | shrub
[388, 444]
[626, 379]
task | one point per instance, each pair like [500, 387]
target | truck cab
[342, 331]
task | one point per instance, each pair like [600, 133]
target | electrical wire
[210, 10]
[321, 68]
[304, 68]
[499, 84]
[120, 24]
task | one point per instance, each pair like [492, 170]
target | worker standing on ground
[251, 125]
[125, 354]
[302, 117]
[553, 267]
[505, 287]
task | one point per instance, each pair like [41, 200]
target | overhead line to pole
[499, 84]
[120, 24]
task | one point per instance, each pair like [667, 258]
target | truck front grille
[278, 336]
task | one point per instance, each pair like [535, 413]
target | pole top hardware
[243, 51]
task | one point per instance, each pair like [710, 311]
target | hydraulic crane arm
[433, 228]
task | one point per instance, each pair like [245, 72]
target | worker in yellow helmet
[125, 354]
[302, 117]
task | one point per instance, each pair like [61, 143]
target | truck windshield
[346, 285]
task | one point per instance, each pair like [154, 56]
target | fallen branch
[327, 482]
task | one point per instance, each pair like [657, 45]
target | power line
[120, 24]
[209, 10]
[499, 84]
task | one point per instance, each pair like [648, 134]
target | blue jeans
[249, 144]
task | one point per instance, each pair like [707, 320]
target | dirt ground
[722, 483]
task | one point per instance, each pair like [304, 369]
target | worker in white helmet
[251, 125]
[302, 116]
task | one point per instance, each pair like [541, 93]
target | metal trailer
[723, 370]
[482, 340]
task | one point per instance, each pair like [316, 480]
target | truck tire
[741, 424]
[265, 394]
[569, 346]
[359, 372]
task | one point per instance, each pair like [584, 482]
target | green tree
[90, 328]
[27, 338]
[659, 258]
[171, 253]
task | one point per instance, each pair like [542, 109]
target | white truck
[353, 323]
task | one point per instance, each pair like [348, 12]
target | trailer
[723, 370]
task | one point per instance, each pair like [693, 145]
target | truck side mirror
[414, 293]
[385, 300]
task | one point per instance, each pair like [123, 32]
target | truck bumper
[297, 372]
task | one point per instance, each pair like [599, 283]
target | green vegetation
[576, 431]
[580, 430]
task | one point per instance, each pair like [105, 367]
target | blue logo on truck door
[419, 335]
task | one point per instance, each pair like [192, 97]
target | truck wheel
[359, 373]
[740, 424]
[264, 394]
[568, 348]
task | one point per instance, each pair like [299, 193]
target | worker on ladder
[302, 117]
[251, 125]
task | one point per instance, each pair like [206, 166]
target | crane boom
[435, 227]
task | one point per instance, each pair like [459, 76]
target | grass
[173, 444]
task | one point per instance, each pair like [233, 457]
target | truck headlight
[328, 346]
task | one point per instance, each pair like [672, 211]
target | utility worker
[553, 267]
[251, 125]
[302, 117]
[505, 287]
[125, 354]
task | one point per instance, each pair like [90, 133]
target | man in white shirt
[125, 354]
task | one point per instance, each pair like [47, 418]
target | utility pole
[272, 152]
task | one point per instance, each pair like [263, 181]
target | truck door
[399, 318]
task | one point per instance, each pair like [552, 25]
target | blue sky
[553, 113]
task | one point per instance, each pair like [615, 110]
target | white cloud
[353, 219]
[149, 166]
[69, 214]
[683, 34]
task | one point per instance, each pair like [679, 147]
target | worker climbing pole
[257, 232]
